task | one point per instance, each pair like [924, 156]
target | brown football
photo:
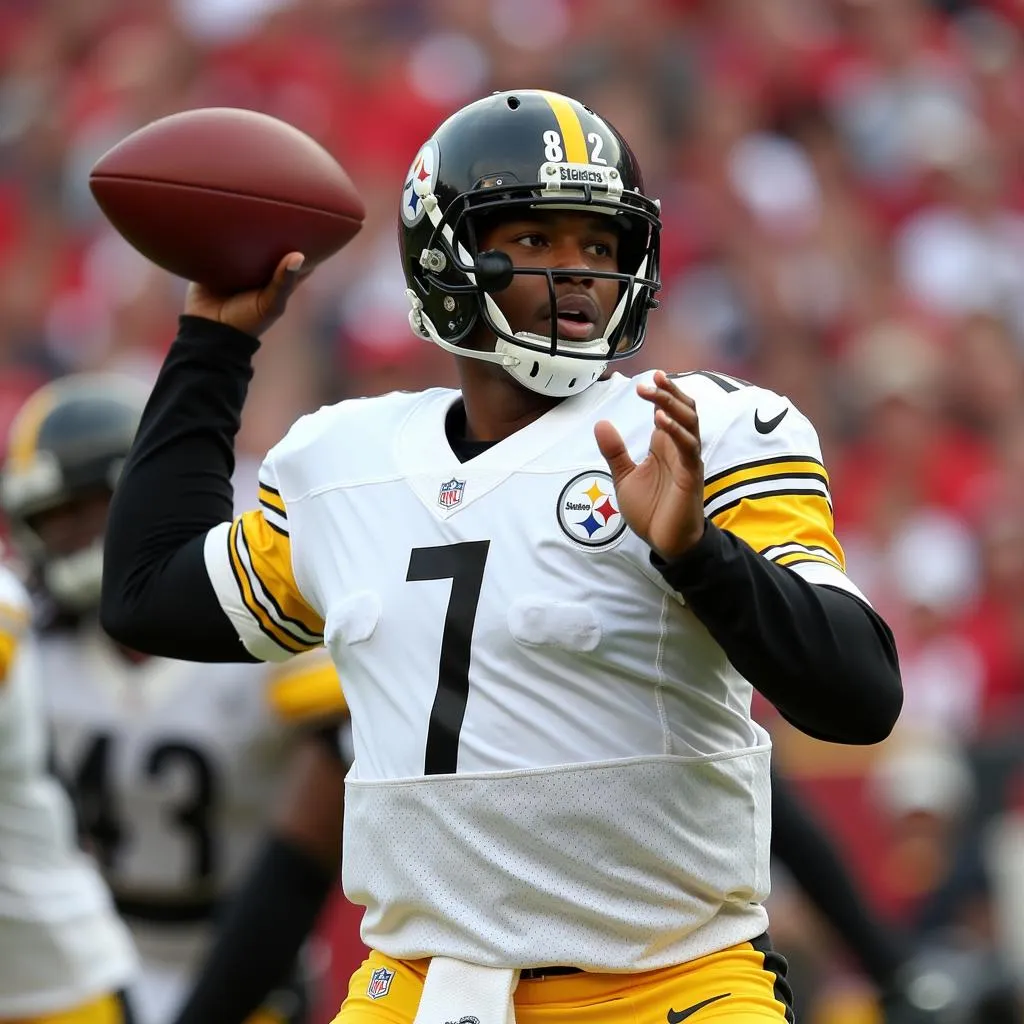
[219, 195]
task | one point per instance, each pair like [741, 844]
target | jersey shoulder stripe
[274, 512]
[770, 489]
[261, 560]
[766, 478]
[249, 562]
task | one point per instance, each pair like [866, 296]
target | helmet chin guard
[557, 375]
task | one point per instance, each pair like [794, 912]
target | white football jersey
[175, 766]
[61, 942]
[554, 761]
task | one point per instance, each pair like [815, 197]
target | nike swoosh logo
[675, 1017]
[767, 426]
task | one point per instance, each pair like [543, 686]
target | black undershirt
[455, 431]
[822, 657]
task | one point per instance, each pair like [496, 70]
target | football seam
[225, 192]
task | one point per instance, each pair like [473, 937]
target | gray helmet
[68, 441]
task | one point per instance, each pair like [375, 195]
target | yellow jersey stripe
[772, 520]
[570, 127]
[277, 529]
[269, 554]
[24, 435]
[245, 588]
[764, 469]
[312, 692]
[741, 496]
[795, 557]
[272, 499]
[265, 595]
[8, 650]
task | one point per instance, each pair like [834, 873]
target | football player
[549, 593]
[64, 953]
[173, 766]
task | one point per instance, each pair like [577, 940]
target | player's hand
[661, 497]
[252, 312]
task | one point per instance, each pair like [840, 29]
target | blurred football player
[64, 952]
[549, 593]
[173, 766]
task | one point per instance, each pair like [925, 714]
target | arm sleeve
[768, 582]
[180, 579]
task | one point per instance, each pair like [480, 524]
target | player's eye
[603, 250]
[532, 240]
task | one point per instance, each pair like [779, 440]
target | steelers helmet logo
[588, 511]
[422, 175]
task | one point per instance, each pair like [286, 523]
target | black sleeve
[824, 658]
[801, 843]
[266, 924]
[176, 484]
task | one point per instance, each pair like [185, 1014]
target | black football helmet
[517, 150]
[68, 441]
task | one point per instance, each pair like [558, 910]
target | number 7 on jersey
[463, 564]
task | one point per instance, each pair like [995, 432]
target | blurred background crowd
[844, 222]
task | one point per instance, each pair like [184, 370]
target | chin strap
[423, 327]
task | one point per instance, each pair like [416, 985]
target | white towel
[459, 993]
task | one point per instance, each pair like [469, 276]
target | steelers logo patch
[588, 511]
[422, 174]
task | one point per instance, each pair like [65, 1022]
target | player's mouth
[578, 318]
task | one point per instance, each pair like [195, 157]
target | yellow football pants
[105, 1010]
[742, 985]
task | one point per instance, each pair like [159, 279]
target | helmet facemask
[451, 263]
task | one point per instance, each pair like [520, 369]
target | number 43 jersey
[174, 767]
[554, 761]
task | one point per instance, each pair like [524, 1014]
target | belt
[535, 973]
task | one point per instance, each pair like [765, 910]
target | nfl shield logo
[451, 493]
[380, 983]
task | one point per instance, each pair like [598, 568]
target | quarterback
[549, 593]
[173, 765]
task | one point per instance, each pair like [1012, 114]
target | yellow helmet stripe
[570, 127]
[24, 436]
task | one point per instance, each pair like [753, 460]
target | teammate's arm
[277, 906]
[175, 487]
[802, 844]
